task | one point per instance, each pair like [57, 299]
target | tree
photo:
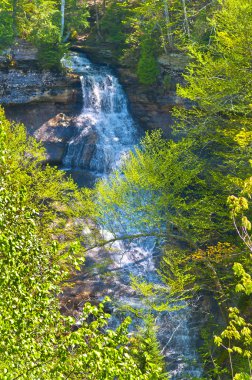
[147, 68]
[218, 80]
[43, 23]
[163, 189]
[37, 341]
[76, 15]
[62, 11]
[57, 199]
[7, 28]
[236, 338]
[184, 185]
[177, 190]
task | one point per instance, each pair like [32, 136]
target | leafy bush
[147, 67]
[6, 29]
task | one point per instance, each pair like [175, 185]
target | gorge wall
[44, 101]
[48, 102]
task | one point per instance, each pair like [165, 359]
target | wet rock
[89, 139]
[34, 115]
[103, 53]
[55, 135]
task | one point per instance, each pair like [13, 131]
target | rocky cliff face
[152, 105]
[22, 81]
[35, 97]
[18, 86]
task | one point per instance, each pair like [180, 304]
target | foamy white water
[105, 111]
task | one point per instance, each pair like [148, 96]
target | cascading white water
[105, 111]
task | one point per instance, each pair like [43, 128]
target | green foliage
[57, 200]
[155, 297]
[76, 16]
[112, 23]
[49, 55]
[6, 26]
[183, 186]
[147, 350]
[165, 190]
[246, 282]
[147, 68]
[168, 24]
[240, 210]
[40, 23]
[178, 191]
[212, 78]
[37, 341]
[237, 340]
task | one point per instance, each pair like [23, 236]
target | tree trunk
[168, 21]
[14, 18]
[97, 18]
[103, 6]
[62, 10]
[186, 23]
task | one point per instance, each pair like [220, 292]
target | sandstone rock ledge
[36, 97]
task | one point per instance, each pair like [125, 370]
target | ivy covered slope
[179, 189]
[38, 250]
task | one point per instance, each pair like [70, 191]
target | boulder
[56, 134]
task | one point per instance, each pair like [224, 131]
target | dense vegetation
[144, 30]
[192, 192]
[48, 24]
[37, 341]
[181, 191]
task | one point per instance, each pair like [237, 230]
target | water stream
[106, 113]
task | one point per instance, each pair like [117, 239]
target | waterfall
[105, 112]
